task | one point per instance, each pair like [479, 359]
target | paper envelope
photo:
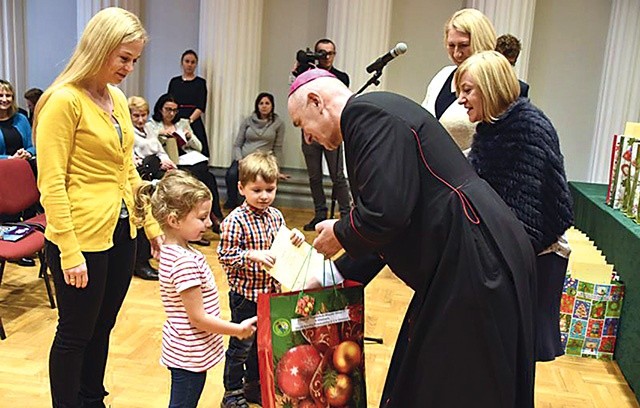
[295, 268]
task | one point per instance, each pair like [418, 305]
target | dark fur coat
[519, 156]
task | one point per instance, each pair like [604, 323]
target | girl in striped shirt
[192, 334]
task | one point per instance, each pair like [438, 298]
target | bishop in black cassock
[420, 208]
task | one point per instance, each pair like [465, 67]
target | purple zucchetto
[307, 77]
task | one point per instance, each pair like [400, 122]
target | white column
[511, 17]
[360, 30]
[13, 67]
[229, 57]
[619, 99]
[133, 84]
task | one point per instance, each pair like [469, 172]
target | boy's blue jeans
[186, 388]
[241, 359]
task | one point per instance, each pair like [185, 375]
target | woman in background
[262, 130]
[467, 32]
[190, 92]
[165, 123]
[87, 180]
[15, 130]
[517, 151]
[32, 96]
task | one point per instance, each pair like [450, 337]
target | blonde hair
[470, 21]
[177, 194]
[495, 79]
[256, 164]
[138, 103]
[7, 87]
[106, 30]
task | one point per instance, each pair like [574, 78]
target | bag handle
[307, 261]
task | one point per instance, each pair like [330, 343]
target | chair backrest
[18, 188]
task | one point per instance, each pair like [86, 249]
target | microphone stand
[375, 79]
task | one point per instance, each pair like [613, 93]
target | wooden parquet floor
[135, 379]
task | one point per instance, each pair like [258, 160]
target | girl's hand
[247, 327]
[76, 276]
[297, 237]
[264, 257]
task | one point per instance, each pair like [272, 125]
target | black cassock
[467, 338]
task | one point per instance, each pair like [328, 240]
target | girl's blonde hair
[482, 35]
[138, 103]
[495, 78]
[106, 30]
[263, 164]
[177, 194]
[7, 87]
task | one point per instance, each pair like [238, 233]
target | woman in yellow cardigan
[87, 179]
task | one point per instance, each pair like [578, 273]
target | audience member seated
[15, 140]
[151, 162]
[262, 130]
[32, 96]
[468, 31]
[509, 46]
[165, 124]
[149, 156]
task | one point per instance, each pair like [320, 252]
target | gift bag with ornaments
[310, 347]
[590, 316]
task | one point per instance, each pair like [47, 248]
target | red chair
[18, 192]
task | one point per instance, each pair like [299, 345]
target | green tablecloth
[619, 239]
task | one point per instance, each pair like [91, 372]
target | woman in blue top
[15, 131]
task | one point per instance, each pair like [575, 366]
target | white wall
[565, 67]
[173, 28]
[420, 25]
[50, 38]
[287, 27]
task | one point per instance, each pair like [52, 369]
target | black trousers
[313, 158]
[85, 319]
[231, 178]
[202, 173]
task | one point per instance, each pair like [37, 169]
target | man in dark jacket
[467, 338]
[313, 153]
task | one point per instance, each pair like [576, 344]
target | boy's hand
[264, 257]
[247, 327]
[297, 237]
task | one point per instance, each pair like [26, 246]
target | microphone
[380, 63]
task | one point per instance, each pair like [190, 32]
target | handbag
[310, 347]
[151, 169]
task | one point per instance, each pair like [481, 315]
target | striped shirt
[183, 345]
[245, 229]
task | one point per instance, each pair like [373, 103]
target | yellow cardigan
[84, 172]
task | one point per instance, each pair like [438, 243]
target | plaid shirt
[243, 230]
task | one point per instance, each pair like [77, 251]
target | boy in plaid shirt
[246, 235]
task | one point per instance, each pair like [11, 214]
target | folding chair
[18, 192]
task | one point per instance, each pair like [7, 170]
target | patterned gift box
[590, 316]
